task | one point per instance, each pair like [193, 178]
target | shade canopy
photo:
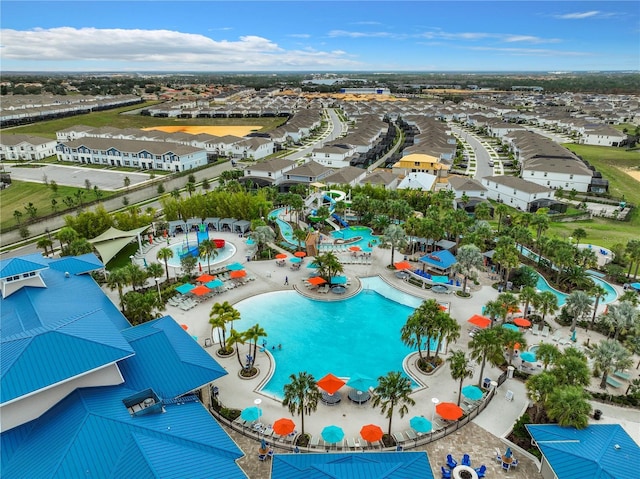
[635, 286]
[200, 290]
[184, 288]
[317, 280]
[449, 411]
[234, 267]
[440, 279]
[479, 321]
[332, 434]
[216, 283]
[241, 273]
[338, 280]
[522, 322]
[354, 248]
[205, 278]
[313, 265]
[295, 259]
[510, 326]
[281, 256]
[361, 383]
[300, 254]
[528, 356]
[402, 265]
[371, 432]
[472, 392]
[252, 413]
[283, 426]
[109, 243]
[420, 424]
[330, 383]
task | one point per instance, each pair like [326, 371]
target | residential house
[517, 192]
[26, 147]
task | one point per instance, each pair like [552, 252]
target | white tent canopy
[109, 243]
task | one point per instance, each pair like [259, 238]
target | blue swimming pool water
[358, 335]
[610, 296]
[223, 253]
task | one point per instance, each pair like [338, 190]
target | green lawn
[20, 193]
[600, 231]
[114, 119]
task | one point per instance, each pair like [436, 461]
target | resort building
[83, 393]
[268, 173]
[26, 147]
[417, 163]
[518, 193]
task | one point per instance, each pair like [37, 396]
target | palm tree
[136, 275]
[220, 315]
[253, 334]
[460, 370]
[501, 209]
[547, 353]
[447, 330]
[154, 270]
[207, 250]
[578, 234]
[495, 309]
[235, 338]
[620, 317]
[578, 304]
[45, 243]
[571, 368]
[299, 235]
[262, 236]
[395, 236]
[510, 302]
[609, 355]
[547, 303]
[422, 325]
[485, 346]
[66, 236]
[527, 295]
[506, 256]
[539, 387]
[328, 265]
[633, 251]
[469, 260]
[569, 406]
[117, 278]
[393, 390]
[301, 395]
[165, 254]
[509, 339]
[597, 292]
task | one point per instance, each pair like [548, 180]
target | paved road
[482, 154]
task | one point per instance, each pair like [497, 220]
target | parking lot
[107, 180]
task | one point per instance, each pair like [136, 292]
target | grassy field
[600, 231]
[116, 119]
[20, 193]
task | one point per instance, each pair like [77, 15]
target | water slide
[332, 208]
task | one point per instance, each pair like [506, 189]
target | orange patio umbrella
[281, 256]
[449, 411]
[354, 248]
[442, 307]
[200, 290]
[205, 278]
[283, 426]
[479, 321]
[402, 265]
[330, 383]
[300, 254]
[240, 273]
[317, 280]
[184, 326]
[371, 433]
[522, 322]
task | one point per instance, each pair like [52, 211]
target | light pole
[158, 286]
[131, 258]
[435, 402]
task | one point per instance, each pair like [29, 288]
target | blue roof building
[600, 451]
[441, 261]
[364, 465]
[82, 392]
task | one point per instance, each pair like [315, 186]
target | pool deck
[479, 438]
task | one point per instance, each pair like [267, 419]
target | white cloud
[299, 35]
[579, 15]
[156, 49]
[350, 34]
[533, 51]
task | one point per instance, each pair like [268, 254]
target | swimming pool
[358, 335]
[224, 253]
[609, 297]
[368, 239]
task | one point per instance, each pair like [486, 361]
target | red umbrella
[449, 411]
[200, 290]
[317, 280]
[281, 256]
[402, 265]
[479, 321]
[283, 426]
[371, 433]
[300, 254]
[522, 322]
[442, 307]
[354, 248]
[331, 383]
[241, 273]
[205, 278]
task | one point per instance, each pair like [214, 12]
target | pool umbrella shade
[528, 356]
[184, 326]
[479, 321]
[402, 265]
[281, 256]
[522, 322]
[251, 414]
[354, 248]
[299, 254]
[283, 426]
[332, 434]
[338, 280]
[420, 424]
[371, 433]
[449, 411]
[313, 265]
[235, 267]
[635, 286]
[330, 383]
[200, 290]
[216, 283]
[295, 259]
[316, 280]
[205, 278]
[361, 383]
[241, 273]
[472, 392]
[512, 327]
[184, 288]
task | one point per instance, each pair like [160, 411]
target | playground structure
[194, 250]
[327, 198]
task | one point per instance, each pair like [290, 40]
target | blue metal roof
[587, 453]
[440, 259]
[161, 346]
[91, 433]
[359, 465]
[17, 266]
[77, 264]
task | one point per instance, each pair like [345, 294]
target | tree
[117, 278]
[460, 370]
[547, 353]
[31, 210]
[24, 231]
[421, 325]
[609, 355]
[578, 234]
[97, 193]
[569, 406]
[253, 334]
[547, 303]
[45, 243]
[447, 329]
[496, 309]
[509, 339]
[161, 189]
[510, 302]
[154, 270]
[206, 184]
[501, 210]
[234, 341]
[136, 276]
[262, 236]
[54, 205]
[393, 390]
[597, 291]
[328, 265]
[486, 346]
[633, 252]
[469, 261]
[527, 295]
[539, 387]
[299, 235]
[140, 307]
[79, 246]
[571, 369]
[578, 304]
[17, 216]
[219, 316]
[482, 211]
[54, 186]
[208, 250]
[126, 181]
[66, 235]
[188, 264]
[620, 317]
[165, 254]
[125, 200]
[395, 236]
[301, 395]
[506, 255]
[190, 187]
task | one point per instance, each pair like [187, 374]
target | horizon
[319, 37]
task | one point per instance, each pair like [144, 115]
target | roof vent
[66, 274]
[616, 446]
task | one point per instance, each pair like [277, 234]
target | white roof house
[516, 192]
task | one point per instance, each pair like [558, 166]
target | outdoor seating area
[463, 469]
[506, 460]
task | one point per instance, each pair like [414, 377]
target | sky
[319, 36]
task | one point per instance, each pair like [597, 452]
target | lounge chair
[556, 336]
[398, 436]
[612, 382]
[315, 441]
[564, 341]
[351, 443]
[622, 375]
[411, 434]
[535, 331]
[545, 332]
